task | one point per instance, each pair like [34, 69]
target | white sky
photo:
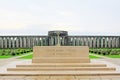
[78, 17]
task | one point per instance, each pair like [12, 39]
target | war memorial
[61, 57]
[65, 40]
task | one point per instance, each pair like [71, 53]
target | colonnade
[95, 41]
[30, 41]
[22, 41]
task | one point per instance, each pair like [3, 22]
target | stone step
[61, 69]
[60, 73]
[63, 65]
[61, 60]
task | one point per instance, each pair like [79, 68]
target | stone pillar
[86, 41]
[90, 40]
[45, 41]
[117, 42]
[5, 42]
[106, 42]
[21, 42]
[9, 42]
[17, 42]
[63, 40]
[1, 42]
[55, 40]
[74, 41]
[41, 41]
[13, 42]
[29, 46]
[37, 41]
[94, 42]
[113, 42]
[24, 42]
[98, 45]
[82, 41]
[102, 42]
[79, 41]
[50, 41]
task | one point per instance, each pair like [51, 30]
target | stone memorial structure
[61, 54]
[61, 61]
[51, 39]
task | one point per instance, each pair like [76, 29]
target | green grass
[1, 57]
[27, 57]
[93, 57]
[10, 56]
[113, 56]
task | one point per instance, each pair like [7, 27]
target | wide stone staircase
[61, 61]
[85, 69]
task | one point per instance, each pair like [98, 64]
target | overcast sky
[78, 17]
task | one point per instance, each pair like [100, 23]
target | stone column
[17, 42]
[45, 41]
[28, 42]
[13, 42]
[86, 41]
[117, 42]
[102, 42]
[37, 41]
[24, 42]
[94, 42]
[82, 41]
[21, 42]
[113, 42]
[51, 41]
[74, 41]
[79, 41]
[5, 42]
[55, 40]
[97, 40]
[90, 40]
[9, 42]
[41, 41]
[1, 42]
[106, 42]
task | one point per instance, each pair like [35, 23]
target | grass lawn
[113, 56]
[27, 57]
[9, 56]
[93, 57]
[1, 57]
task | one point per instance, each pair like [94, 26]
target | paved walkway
[59, 78]
[112, 60]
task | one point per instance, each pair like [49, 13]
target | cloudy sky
[78, 17]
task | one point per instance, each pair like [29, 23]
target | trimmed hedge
[105, 51]
[13, 52]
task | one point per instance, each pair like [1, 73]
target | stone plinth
[61, 54]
